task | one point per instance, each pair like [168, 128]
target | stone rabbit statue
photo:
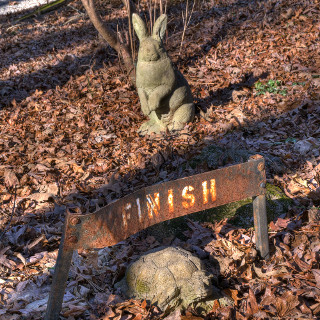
[164, 93]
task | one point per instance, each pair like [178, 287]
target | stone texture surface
[170, 277]
[164, 93]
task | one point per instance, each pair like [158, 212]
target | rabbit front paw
[153, 103]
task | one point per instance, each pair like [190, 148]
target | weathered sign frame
[143, 208]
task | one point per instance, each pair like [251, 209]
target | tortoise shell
[168, 277]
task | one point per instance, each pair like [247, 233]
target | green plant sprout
[272, 86]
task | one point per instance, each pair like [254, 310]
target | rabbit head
[151, 48]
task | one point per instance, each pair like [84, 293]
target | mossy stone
[169, 277]
[142, 287]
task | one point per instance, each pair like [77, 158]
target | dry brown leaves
[284, 286]
[69, 139]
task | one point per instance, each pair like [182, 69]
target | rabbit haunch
[164, 93]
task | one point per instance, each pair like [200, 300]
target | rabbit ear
[160, 27]
[139, 26]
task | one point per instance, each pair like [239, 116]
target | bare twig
[186, 20]
[154, 12]
[150, 16]
[110, 36]
[130, 10]
[36, 241]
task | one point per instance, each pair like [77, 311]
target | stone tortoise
[169, 277]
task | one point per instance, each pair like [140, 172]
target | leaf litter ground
[69, 123]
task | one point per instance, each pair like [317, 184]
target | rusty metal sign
[141, 209]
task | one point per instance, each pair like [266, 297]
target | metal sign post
[146, 207]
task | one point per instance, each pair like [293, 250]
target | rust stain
[261, 166]
[74, 221]
[126, 216]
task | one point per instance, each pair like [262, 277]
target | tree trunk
[111, 37]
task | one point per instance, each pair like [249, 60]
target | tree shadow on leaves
[245, 12]
[23, 85]
[53, 220]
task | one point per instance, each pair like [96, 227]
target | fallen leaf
[252, 306]
[10, 179]
[175, 315]
[316, 273]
